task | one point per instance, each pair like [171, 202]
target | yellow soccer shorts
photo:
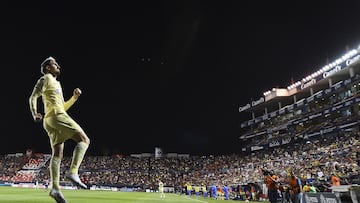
[60, 128]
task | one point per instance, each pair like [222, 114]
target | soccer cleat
[57, 196]
[76, 180]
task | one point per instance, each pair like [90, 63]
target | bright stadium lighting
[267, 93]
[321, 70]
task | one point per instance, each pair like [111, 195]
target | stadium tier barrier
[347, 193]
[355, 193]
[320, 197]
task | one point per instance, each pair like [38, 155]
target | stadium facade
[324, 102]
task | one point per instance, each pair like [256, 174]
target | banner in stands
[320, 197]
[255, 148]
[158, 152]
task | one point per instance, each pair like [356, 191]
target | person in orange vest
[295, 187]
[335, 180]
[272, 184]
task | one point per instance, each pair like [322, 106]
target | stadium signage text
[311, 199]
[328, 91]
[287, 140]
[243, 108]
[273, 114]
[255, 148]
[328, 73]
[311, 82]
[253, 103]
[347, 81]
[274, 143]
[352, 60]
[320, 198]
[259, 101]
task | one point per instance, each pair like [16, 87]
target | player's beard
[57, 73]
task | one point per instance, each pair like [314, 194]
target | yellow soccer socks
[55, 172]
[78, 155]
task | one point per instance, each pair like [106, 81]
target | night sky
[169, 74]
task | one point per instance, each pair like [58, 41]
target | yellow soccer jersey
[161, 185]
[50, 90]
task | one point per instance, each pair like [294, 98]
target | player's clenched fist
[77, 92]
[37, 117]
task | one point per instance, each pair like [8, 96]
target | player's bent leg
[78, 155]
[74, 178]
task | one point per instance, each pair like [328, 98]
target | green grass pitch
[30, 195]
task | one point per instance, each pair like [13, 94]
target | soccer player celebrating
[59, 126]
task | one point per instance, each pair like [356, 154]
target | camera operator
[272, 184]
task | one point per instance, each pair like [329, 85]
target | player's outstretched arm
[76, 94]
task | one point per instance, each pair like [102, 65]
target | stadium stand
[322, 108]
[316, 160]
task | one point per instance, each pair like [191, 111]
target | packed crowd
[315, 160]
